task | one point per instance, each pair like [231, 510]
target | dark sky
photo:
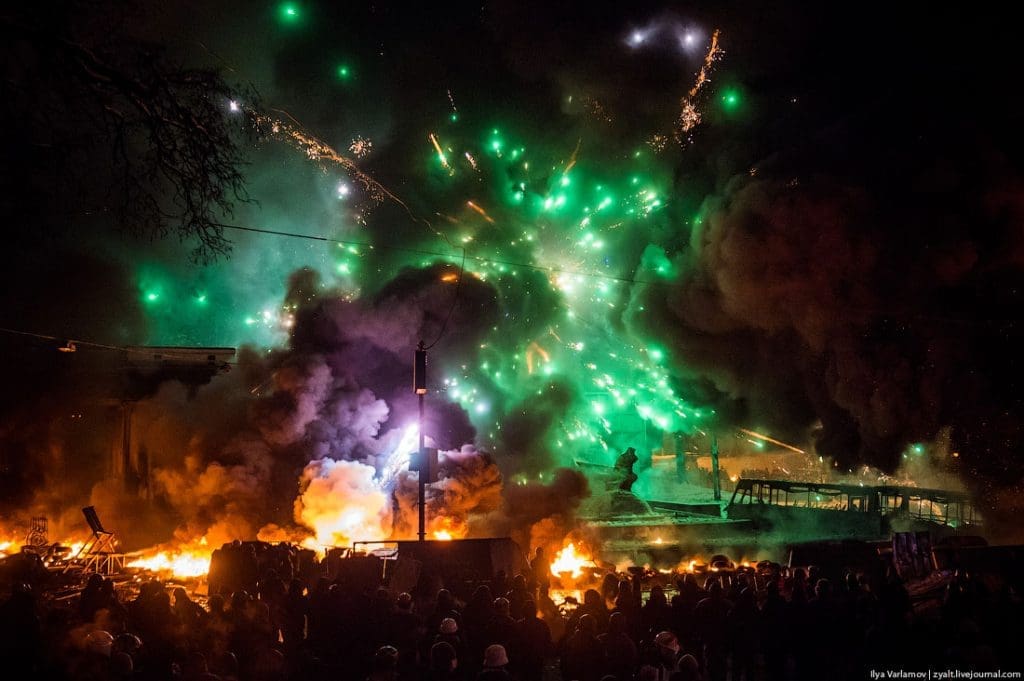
[859, 264]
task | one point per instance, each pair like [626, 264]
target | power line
[72, 343]
[465, 255]
[455, 300]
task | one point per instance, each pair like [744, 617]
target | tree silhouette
[100, 127]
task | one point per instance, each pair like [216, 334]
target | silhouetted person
[444, 663]
[518, 595]
[742, 624]
[619, 649]
[656, 614]
[774, 633]
[495, 667]
[385, 664]
[21, 639]
[540, 569]
[449, 633]
[293, 626]
[710, 615]
[477, 614]
[582, 654]
[501, 628]
[533, 644]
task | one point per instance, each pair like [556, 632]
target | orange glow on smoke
[341, 503]
[443, 535]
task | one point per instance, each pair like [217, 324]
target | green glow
[152, 296]
[289, 12]
[731, 99]
[560, 330]
[344, 72]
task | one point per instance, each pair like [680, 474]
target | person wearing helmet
[449, 633]
[443, 662]
[99, 642]
[127, 643]
[495, 664]
[668, 651]
[385, 664]
[405, 628]
[501, 628]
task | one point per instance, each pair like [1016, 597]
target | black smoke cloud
[868, 283]
[226, 457]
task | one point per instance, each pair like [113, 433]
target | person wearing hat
[449, 633]
[495, 664]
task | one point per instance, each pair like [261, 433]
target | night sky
[833, 254]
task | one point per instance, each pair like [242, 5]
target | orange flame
[186, 562]
[445, 528]
[9, 542]
[570, 561]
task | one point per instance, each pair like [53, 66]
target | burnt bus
[807, 511]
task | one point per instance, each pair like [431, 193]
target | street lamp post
[419, 381]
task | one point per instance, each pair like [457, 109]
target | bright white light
[637, 38]
[481, 407]
[398, 459]
[343, 190]
[234, 106]
[688, 39]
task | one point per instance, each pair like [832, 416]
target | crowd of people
[790, 624]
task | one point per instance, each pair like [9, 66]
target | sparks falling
[689, 114]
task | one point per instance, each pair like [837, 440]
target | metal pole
[423, 478]
[715, 474]
[419, 384]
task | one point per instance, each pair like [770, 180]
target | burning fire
[445, 528]
[186, 561]
[568, 560]
[9, 542]
[183, 564]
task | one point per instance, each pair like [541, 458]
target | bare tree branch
[175, 147]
